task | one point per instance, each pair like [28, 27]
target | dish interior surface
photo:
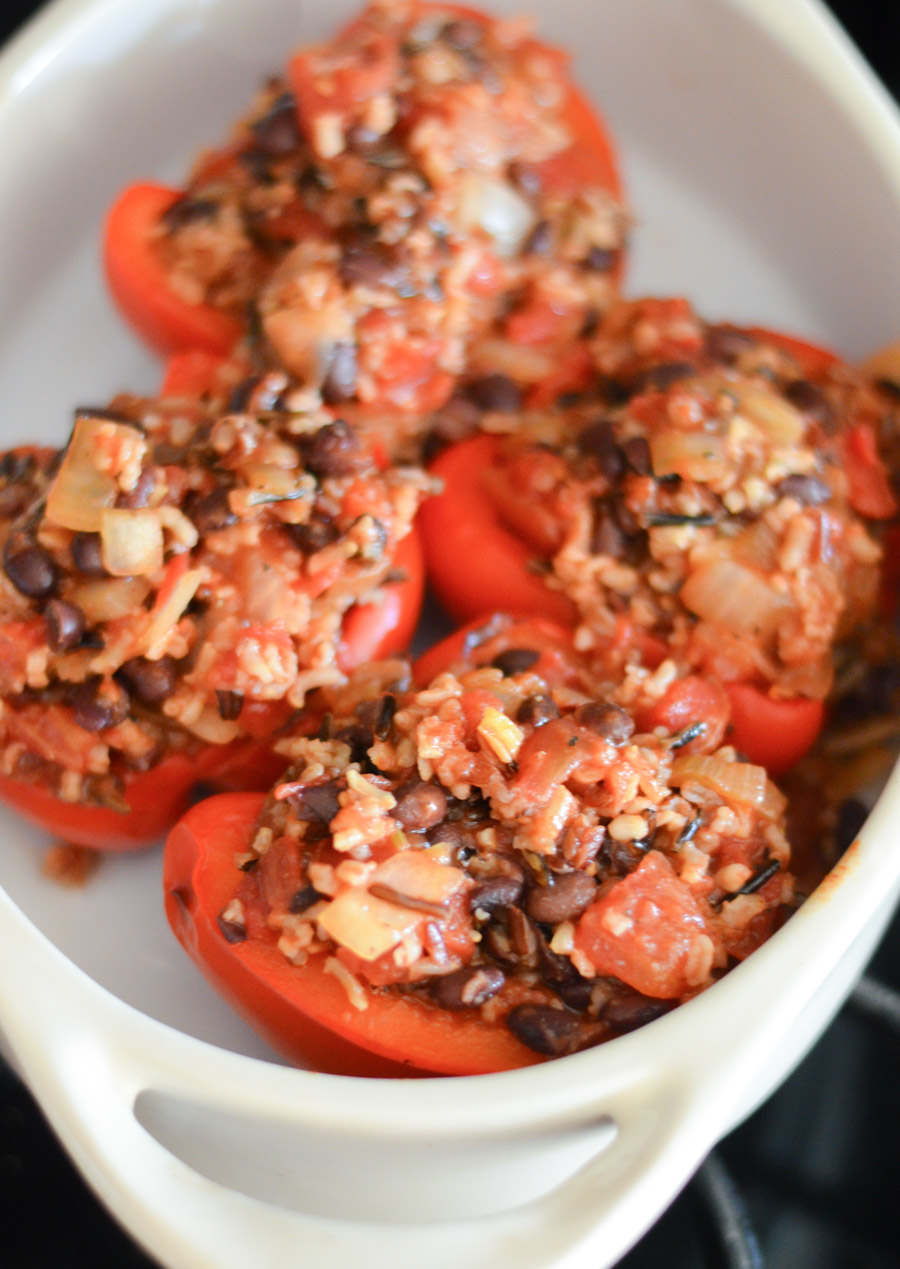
[763, 205]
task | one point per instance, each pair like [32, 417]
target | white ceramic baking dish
[764, 166]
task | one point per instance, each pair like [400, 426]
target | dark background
[818, 1166]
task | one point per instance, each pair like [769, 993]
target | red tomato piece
[643, 930]
[138, 283]
[476, 564]
[773, 733]
[304, 1010]
[688, 701]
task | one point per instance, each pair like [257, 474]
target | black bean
[371, 266]
[384, 716]
[13, 501]
[232, 931]
[229, 704]
[139, 496]
[637, 454]
[553, 1032]
[559, 973]
[97, 705]
[808, 490]
[728, 343]
[334, 450]
[467, 988]
[496, 393]
[537, 710]
[459, 840]
[600, 259]
[500, 891]
[316, 802]
[620, 858]
[421, 806]
[360, 740]
[598, 442]
[874, 694]
[563, 897]
[607, 537]
[339, 383]
[811, 400]
[540, 241]
[65, 625]
[515, 661]
[212, 513]
[609, 721]
[523, 935]
[313, 536]
[627, 1013]
[185, 211]
[17, 467]
[304, 899]
[890, 387]
[277, 133]
[664, 375]
[150, 681]
[30, 567]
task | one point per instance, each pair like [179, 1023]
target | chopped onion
[80, 493]
[734, 781]
[132, 542]
[413, 873]
[493, 205]
[102, 600]
[211, 727]
[171, 601]
[368, 926]
[691, 455]
[757, 545]
[775, 417]
[730, 595]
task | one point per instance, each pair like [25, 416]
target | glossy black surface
[817, 1167]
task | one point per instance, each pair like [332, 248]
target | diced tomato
[643, 930]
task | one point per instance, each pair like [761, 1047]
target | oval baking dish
[203, 1146]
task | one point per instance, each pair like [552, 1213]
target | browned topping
[65, 625]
